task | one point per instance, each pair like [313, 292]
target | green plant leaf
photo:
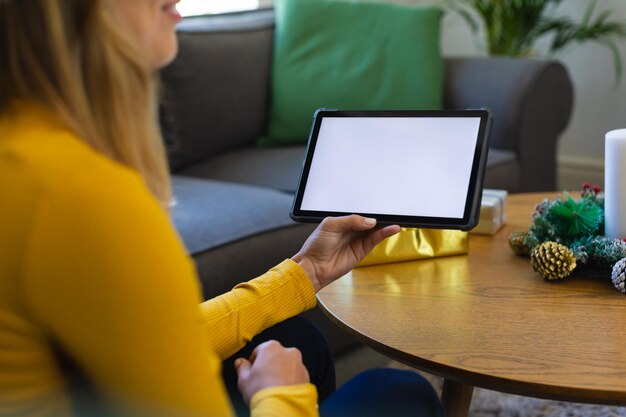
[617, 60]
[589, 12]
[513, 26]
[468, 16]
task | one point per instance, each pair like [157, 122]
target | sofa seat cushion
[208, 213]
[497, 158]
[279, 168]
[503, 171]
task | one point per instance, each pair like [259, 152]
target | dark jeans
[295, 332]
[378, 392]
[384, 392]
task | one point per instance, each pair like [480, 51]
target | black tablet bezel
[472, 203]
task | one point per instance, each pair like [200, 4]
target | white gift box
[492, 212]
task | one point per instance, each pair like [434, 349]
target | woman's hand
[338, 245]
[270, 365]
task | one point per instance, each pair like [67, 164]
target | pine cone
[552, 260]
[516, 242]
[618, 275]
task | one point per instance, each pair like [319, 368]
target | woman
[94, 277]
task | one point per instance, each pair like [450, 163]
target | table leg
[456, 398]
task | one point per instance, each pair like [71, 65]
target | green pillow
[350, 55]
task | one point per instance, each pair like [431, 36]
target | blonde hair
[70, 56]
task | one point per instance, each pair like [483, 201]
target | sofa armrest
[531, 101]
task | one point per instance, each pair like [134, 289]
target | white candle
[615, 184]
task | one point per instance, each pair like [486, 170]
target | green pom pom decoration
[575, 218]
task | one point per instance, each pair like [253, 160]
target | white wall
[599, 104]
[200, 7]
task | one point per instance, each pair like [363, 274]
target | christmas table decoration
[567, 235]
[617, 275]
[552, 260]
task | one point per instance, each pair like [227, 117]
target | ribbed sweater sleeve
[294, 400]
[234, 318]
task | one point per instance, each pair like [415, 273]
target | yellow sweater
[90, 265]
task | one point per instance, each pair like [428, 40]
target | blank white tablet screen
[392, 165]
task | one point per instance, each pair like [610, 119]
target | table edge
[528, 389]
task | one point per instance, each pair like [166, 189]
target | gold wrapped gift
[412, 244]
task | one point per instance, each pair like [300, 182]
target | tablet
[411, 168]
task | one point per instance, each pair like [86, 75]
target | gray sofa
[233, 199]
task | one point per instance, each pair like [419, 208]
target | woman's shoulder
[32, 137]
[45, 160]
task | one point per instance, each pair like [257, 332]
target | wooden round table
[487, 319]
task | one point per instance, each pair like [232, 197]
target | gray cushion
[503, 171]
[498, 158]
[279, 168]
[208, 213]
[218, 87]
